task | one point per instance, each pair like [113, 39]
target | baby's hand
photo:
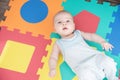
[52, 73]
[106, 46]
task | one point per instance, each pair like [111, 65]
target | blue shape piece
[34, 11]
[114, 37]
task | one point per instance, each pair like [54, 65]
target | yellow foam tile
[45, 70]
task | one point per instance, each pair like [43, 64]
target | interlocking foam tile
[14, 19]
[86, 21]
[45, 70]
[114, 37]
[21, 55]
[103, 11]
[4, 6]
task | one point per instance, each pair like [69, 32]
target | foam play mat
[27, 35]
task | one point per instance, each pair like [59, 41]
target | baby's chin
[67, 35]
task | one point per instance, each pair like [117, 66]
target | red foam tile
[40, 45]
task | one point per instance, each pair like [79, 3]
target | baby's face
[64, 24]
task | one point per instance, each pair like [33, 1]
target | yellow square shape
[16, 56]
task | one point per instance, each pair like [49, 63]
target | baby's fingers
[107, 48]
[52, 73]
[110, 46]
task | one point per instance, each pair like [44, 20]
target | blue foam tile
[114, 36]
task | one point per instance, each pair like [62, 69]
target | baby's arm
[53, 60]
[96, 38]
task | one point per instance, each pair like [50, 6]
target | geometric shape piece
[86, 21]
[13, 56]
[34, 11]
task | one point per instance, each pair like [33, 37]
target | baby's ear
[74, 23]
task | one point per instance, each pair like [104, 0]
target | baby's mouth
[65, 28]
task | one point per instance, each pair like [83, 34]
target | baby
[86, 62]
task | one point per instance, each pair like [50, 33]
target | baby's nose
[64, 23]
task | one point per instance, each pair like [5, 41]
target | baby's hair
[61, 11]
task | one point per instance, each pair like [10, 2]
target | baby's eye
[59, 22]
[68, 21]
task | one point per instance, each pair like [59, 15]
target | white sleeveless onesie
[79, 55]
